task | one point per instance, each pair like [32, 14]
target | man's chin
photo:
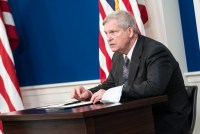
[114, 50]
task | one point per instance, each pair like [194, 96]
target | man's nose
[109, 37]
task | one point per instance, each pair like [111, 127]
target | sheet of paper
[112, 95]
[68, 105]
[81, 103]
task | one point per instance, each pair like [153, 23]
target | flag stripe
[11, 90]
[10, 95]
[137, 16]
[103, 75]
[6, 97]
[103, 50]
[8, 62]
[4, 6]
[1, 128]
[103, 65]
[4, 39]
[106, 7]
[4, 107]
[143, 12]
[128, 6]
[122, 6]
[7, 19]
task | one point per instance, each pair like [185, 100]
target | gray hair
[124, 19]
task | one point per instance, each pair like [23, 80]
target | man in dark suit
[152, 71]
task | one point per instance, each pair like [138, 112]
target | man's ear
[130, 31]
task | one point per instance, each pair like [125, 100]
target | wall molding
[41, 95]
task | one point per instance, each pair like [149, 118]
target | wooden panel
[76, 126]
[133, 121]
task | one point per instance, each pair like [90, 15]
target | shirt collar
[129, 55]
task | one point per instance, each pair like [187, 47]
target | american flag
[136, 8]
[10, 96]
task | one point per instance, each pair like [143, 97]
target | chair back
[192, 94]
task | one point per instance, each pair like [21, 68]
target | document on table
[68, 105]
[112, 95]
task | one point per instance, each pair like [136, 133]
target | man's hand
[97, 96]
[82, 94]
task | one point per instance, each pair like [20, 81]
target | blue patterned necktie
[126, 70]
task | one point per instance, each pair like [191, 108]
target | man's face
[118, 38]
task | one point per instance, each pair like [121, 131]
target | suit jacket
[153, 71]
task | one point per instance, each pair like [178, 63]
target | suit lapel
[135, 59]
